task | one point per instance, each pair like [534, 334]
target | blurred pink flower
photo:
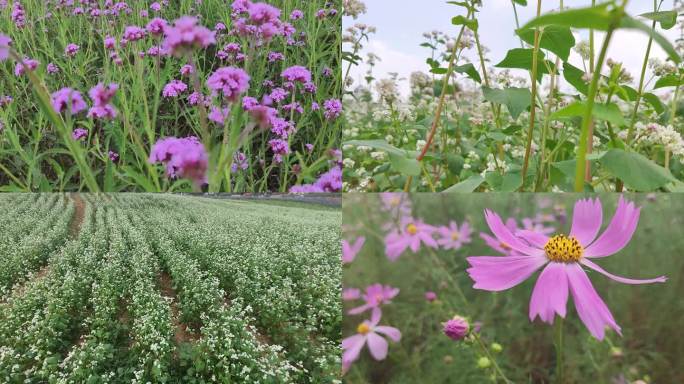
[349, 294]
[562, 258]
[349, 250]
[430, 296]
[456, 328]
[396, 203]
[368, 333]
[375, 295]
[411, 234]
[453, 237]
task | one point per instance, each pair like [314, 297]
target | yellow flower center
[564, 249]
[394, 201]
[363, 328]
[412, 229]
[455, 236]
[505, 246]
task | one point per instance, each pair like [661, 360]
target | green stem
[559, 350]
[580, 168]
[533, 104]
[484, 348]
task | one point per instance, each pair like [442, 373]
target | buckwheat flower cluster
[101, 96]
[656, 134]
[67, 99]
[183, 157]
[185, 35]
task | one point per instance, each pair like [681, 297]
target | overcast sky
[401, 23]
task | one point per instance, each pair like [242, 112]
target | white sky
[401, 23]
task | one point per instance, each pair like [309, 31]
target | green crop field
[138, 288]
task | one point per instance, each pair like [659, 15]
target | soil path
[79, 214]
[181, 333]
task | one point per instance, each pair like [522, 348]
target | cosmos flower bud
[483, 362]
[457, 328]
[496, 347]
[430, 296]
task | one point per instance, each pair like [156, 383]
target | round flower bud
[483, 362]
[456, 328]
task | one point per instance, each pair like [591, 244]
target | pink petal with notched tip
[390, 332]
[618, 233]
[550, 294]
[535, 239]
[597, 268]
[496, 273]
[503, 234]
[377, 346]
[587, 218]
[591, 309]
[352, 346]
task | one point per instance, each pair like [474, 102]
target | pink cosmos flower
[563, 258]
[5, 43]
[368, 333]
[410, 235]
[186, 34]
[453, 237]
[349, 294]
[375, 295]
[350, 250]
[396, 203]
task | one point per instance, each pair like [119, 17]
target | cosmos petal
[535, 239]
[497, 273]
[591, 309]
[352, 348]
[587, 218]
[618, 233]
[550, 294]
[390, 332]
[377, 346]
[624, 280]
[503, 234]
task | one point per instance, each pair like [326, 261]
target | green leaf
[575, 77]
[469, 69]
[521, 2]
[515, 99]
[655, 102]
[511, 129]
[377, 144]
[521, 58]
[671, 80]
[462, 20]
[567, 167]
[597, 17]
[405, 165]
[555, 38]
[667, 19]
[628, 22]
[610, 113]
[466, 186]
[637, 171]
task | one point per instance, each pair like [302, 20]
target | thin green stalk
[580, 168]
[533, 104]
[640, 90]
[559, 350]
[491, 358]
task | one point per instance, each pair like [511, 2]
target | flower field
[551, 112]
[512, 288]
[139, 288]
[183, 95]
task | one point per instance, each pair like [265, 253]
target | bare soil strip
[79, 214]
[181, 333]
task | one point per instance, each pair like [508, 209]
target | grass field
[649, 350]
[121, 288]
